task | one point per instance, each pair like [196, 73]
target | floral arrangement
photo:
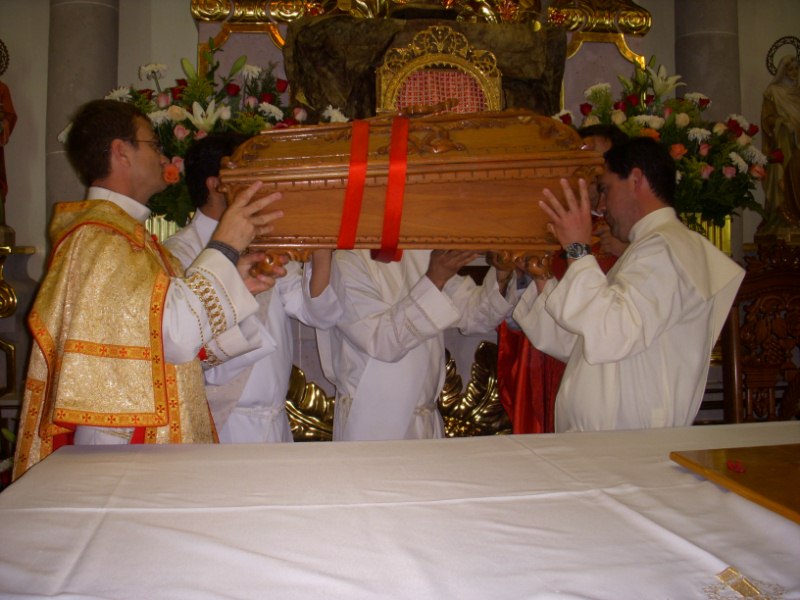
[717, 164]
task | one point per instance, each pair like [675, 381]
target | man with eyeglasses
[120, 329]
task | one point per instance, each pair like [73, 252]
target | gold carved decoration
[476, 411]
[437, 46]
[605, 21]
[309, 409]
[253, 16]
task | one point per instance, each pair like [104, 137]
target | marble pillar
[707, 58]
[82, 66]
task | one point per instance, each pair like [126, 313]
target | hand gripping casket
[440, 181]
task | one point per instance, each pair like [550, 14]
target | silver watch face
[577, 250]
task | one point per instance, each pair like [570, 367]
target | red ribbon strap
[395, 192]
[354, 194]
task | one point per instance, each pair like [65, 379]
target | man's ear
[119, 151]
[637, 179]
[212, 183]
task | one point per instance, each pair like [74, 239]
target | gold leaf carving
[309, 409]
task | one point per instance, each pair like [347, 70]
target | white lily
[205, 119]
[662, 83]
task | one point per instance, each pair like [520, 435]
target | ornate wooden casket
[437, 181]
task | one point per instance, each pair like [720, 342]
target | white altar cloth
[582, 515]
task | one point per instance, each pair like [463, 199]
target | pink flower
[180, 132]
[299, 114]
[178, 162]
[200, 135]
[164, 99]
[704, 149]
[667, 112]
[729, 171]
[251, 102]
[706, 170]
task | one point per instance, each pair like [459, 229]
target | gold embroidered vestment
[98, 358]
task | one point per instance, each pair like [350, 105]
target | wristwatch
[577, 250]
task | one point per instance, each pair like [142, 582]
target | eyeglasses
[154, 143]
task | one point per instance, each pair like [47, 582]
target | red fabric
[527, 378]
[428, 87]
[354, 194]
[395, 192]
[138, 435]
[63, 439]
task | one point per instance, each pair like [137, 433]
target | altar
[602, 515]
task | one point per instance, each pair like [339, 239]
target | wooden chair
[761, 340]
[439, 68]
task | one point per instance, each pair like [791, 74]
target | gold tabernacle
[472, 182]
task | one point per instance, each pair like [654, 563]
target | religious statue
[780, 130]
[8, 118]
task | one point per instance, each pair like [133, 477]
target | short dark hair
[607, 130]
[95, 125]
[652, 158]
[203, 161]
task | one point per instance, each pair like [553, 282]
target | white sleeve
[482, 308]
[207, 308]
[321, 312]
[382, 330]
[540, 328]
[621, 316]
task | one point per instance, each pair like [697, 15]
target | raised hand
[245, 218]
[573, 222]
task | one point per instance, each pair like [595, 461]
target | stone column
[82, 66]
[707, 57]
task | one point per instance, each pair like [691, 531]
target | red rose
[776, 156]
[703, 102]
[566, 119]
[287, 122]
[281, 85]
[734, 127]
[649, 99]
[620, 105]
[176, 92]
[182, 82]
[752, 130]
[586, 109]
[632, 99]
[267, 97]
[232, 89]
[146, 93]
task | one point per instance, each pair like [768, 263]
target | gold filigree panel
[438, 46]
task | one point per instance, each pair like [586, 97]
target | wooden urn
[455, 182]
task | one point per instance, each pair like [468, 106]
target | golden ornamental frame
[438, 46]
